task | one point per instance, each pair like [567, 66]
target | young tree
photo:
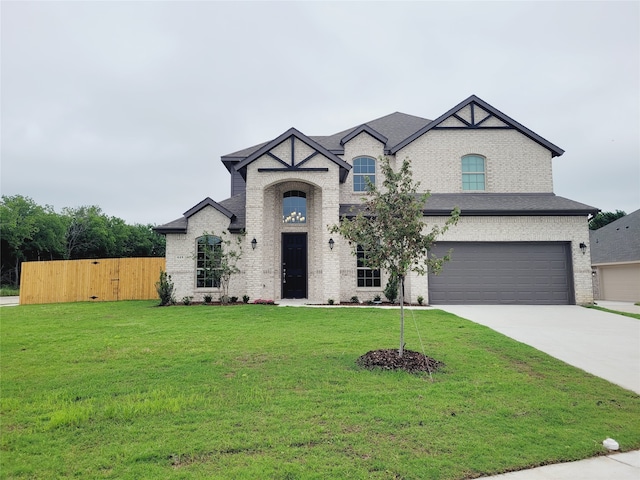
[391, 230]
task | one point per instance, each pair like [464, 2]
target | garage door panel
[503, 273]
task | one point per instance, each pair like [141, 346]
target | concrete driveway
[604, 344]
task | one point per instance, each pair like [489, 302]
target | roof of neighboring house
[395, 131]
[438, 204]
[617, 242]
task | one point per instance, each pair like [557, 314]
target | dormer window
[294, 207]
[473, 172]
[363, 168]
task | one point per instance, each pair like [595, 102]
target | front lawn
[130, 390]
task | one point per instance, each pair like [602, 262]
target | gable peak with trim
[475, 113]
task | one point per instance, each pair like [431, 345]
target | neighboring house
[516, 241]
[615, 258]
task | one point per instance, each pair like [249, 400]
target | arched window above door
[294, 207]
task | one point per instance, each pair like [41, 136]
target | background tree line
[32, 232]
[605, 218]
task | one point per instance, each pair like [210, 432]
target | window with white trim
[367, 277]
[473, 172]
[208, 259]
[363, 168]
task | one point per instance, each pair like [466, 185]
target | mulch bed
[388, 359]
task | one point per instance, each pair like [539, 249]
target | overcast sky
[130, 105]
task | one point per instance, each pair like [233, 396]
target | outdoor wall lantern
[331, 243]
[583, 247]
[254, 243]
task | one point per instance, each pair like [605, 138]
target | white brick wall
[264, 222]
[363, 145]
[514, 163]
[181, 251]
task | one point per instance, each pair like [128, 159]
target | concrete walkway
[602, 343]
[9, 301]
[627, 307]
[620, 466]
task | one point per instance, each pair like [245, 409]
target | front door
[294, 265]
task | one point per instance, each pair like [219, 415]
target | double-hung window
[209, 250]
[473, 172]
[367, 277]
[363, 168]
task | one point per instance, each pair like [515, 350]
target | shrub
[355, 299]
[420, 300]
[165, 289]
[377, 298]
[186, 300]
[207, 298]
[260, 301]
[234, 299]
[224, 299]
[330, 301]
[245, 298]
[391, 290]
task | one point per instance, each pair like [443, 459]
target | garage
[524, 273]
[619, 282]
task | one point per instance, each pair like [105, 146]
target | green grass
[626, 314]
[131, 391]
[9, 292]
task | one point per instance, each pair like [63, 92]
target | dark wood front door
[294, 265]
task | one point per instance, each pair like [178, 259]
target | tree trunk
[401, 349]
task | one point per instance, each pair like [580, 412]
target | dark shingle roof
[439, 204]
[393, 128]
[236, 204]
[178, 225]
[397, 130]
[618, 241]
[482, 204]
[233, 208]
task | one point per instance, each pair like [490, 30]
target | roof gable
[364, 129]
[475, 113]
[236, 217]
[292, 134]
[208, 202]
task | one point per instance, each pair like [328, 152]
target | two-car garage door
[526, 273]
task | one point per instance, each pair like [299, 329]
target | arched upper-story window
[363, 167]
[294, 207]
[473, 172]
[209, 248]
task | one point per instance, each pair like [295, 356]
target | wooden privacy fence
[101, 279]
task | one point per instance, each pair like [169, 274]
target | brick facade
[516, 163]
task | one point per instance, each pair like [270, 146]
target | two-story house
[516, 241]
